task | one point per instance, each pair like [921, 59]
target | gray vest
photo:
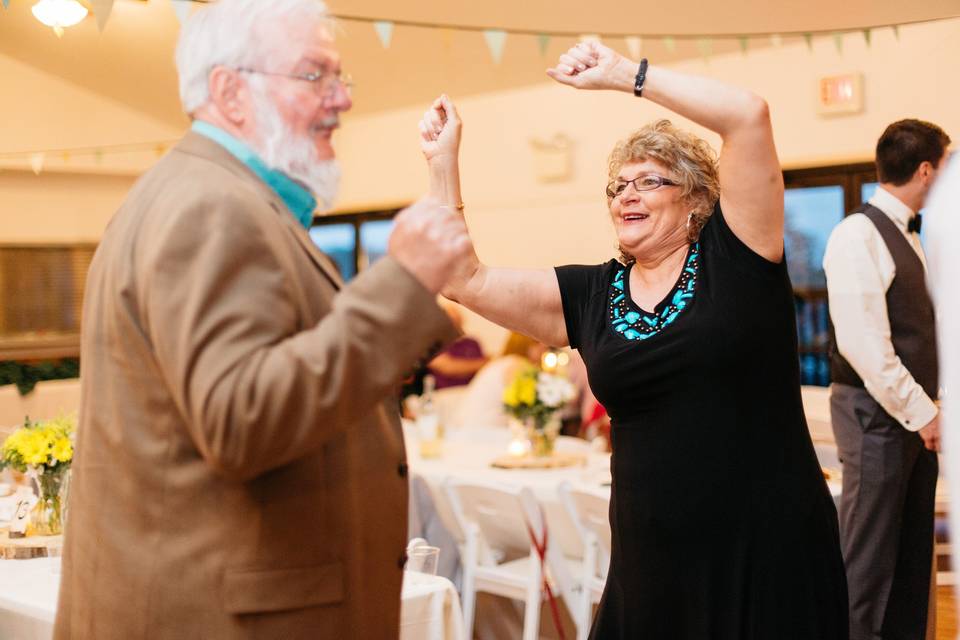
[910, 311]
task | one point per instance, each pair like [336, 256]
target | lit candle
[549, 361]
[518, 448]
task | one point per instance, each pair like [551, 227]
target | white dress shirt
[859, 271]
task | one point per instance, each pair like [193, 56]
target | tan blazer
[240, 469]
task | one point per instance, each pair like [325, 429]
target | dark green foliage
[26, 375]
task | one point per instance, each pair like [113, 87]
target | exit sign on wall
[841, 94]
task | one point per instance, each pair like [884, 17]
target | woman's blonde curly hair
[691, 161]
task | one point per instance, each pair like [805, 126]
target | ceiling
[131, 62]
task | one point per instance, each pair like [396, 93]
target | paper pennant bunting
[705, 47]
[36, 162]
[384, 30]
[65, 157]
[866, 37]
[670, 43]
[183, 9]
[6, 3]
[543, 42]
[634, 44]
[896, 31]
[808, 37]
[496, 40]
[98, 155]
[838, 41]
[744, 43]
[776, 39]
[101, 10]
[590, 37]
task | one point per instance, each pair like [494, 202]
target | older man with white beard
[240, 467]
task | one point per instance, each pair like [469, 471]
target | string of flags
[496, 37]
[39, 160]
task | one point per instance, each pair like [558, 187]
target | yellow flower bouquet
[43, 450]
[534, 397]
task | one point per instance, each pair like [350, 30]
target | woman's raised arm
[522, 300]
[751, 182]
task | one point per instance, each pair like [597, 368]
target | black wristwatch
[641, 76]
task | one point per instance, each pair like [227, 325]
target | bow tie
[913, 226]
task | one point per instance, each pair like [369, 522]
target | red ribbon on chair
[541, 548]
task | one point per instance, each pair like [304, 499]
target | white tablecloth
[467, 454]
[430, 608]
[28, 598]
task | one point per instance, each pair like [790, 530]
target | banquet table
[430, 607]
[467, 455]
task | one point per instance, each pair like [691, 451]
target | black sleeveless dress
[723, 526]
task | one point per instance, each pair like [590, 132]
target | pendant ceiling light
[59, 14]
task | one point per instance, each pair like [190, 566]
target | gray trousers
[886, 518]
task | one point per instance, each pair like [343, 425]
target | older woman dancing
[723, 527]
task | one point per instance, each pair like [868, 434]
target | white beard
[281, 149]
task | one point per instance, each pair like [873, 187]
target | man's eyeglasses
[647, 182]
[325, 83]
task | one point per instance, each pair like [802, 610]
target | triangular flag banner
[744, 40]
[809, 39]
[102, 9]
[634, 45]
[57, 29]
[543, 41]
[776, 40]
[98, 155]
[838, 41]
[36, 162]
[670, 43]
[896, 32]
[6, 3]
[384, 32]
[496, 39]
[65, 156]
[705, 46]
[866, 37]
[590, 37]
[182, 8]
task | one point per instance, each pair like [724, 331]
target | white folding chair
[827, 455]
[590, 514]
[497, 522]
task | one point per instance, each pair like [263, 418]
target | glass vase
[46, 518]
[543, 438]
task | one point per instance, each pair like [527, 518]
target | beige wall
[57, 207]
[74, 196]
[516, 220]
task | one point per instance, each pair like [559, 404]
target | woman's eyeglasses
[647, 182]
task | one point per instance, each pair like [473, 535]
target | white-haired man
[240, 466]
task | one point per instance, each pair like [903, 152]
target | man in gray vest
[883, 398]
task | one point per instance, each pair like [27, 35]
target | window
[41, 299]
[815, 201]
[339, 242]
[354, 240]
